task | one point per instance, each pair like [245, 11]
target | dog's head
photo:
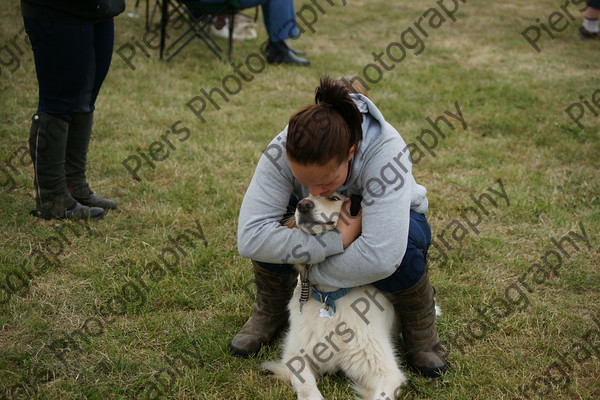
[318, 214]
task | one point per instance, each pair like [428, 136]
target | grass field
[127, 307]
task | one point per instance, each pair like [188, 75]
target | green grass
[170, 329]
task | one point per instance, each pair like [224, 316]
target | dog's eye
[334, 198]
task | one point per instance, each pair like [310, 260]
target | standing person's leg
[408, 288]
[82, 115]
[280, 19]
[280, 22]
[589, 28]
[61, 53]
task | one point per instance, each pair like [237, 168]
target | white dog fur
[357, 340]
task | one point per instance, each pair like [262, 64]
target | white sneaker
[244, 27]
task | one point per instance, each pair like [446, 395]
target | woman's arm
[261, 236]
[350, 226]
[387, 192]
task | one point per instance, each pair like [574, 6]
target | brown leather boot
[270, 313]
[415, 308]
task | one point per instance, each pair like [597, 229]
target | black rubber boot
[80, 131]
[47, 147]
[270, 313]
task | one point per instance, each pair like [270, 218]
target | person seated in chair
[280, 21]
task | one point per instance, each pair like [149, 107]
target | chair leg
[150, 18]
[197, 22]
[189, 39]
[230, 39]
[194, 31]
[147, 15]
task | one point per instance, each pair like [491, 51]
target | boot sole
[242, 353]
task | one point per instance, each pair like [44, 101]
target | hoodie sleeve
[387, 188]
[261, 236]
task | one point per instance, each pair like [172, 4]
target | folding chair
[198, 16]
[149, 14]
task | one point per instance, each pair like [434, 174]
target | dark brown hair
[326, 130]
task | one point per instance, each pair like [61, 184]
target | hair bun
[329, 91]
[332, 93]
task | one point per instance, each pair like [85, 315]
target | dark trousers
[71, 62]
[594, 4]
[411, 267]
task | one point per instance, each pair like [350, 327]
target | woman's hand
[349, 226]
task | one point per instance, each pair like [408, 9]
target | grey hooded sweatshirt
[380, 172]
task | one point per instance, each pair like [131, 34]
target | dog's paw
[310, 396]
[275, 368]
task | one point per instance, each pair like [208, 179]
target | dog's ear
[290, 222]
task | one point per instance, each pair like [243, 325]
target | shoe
[415, 308]
[270, 313]
[78, 140]
[244, 27]
[94, 201]
[295, 51]
[78, 211]
[587, 34]
[83, 212]
[281, 53]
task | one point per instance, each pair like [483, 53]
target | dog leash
[327, 298]
[304, 288]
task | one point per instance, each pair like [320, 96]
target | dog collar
[328, 298]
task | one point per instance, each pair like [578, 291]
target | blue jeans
[71, 62]
[412, 265]
[278, 15]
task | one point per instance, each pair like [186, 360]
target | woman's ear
[351, 152]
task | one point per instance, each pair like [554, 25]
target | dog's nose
[305, 205]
